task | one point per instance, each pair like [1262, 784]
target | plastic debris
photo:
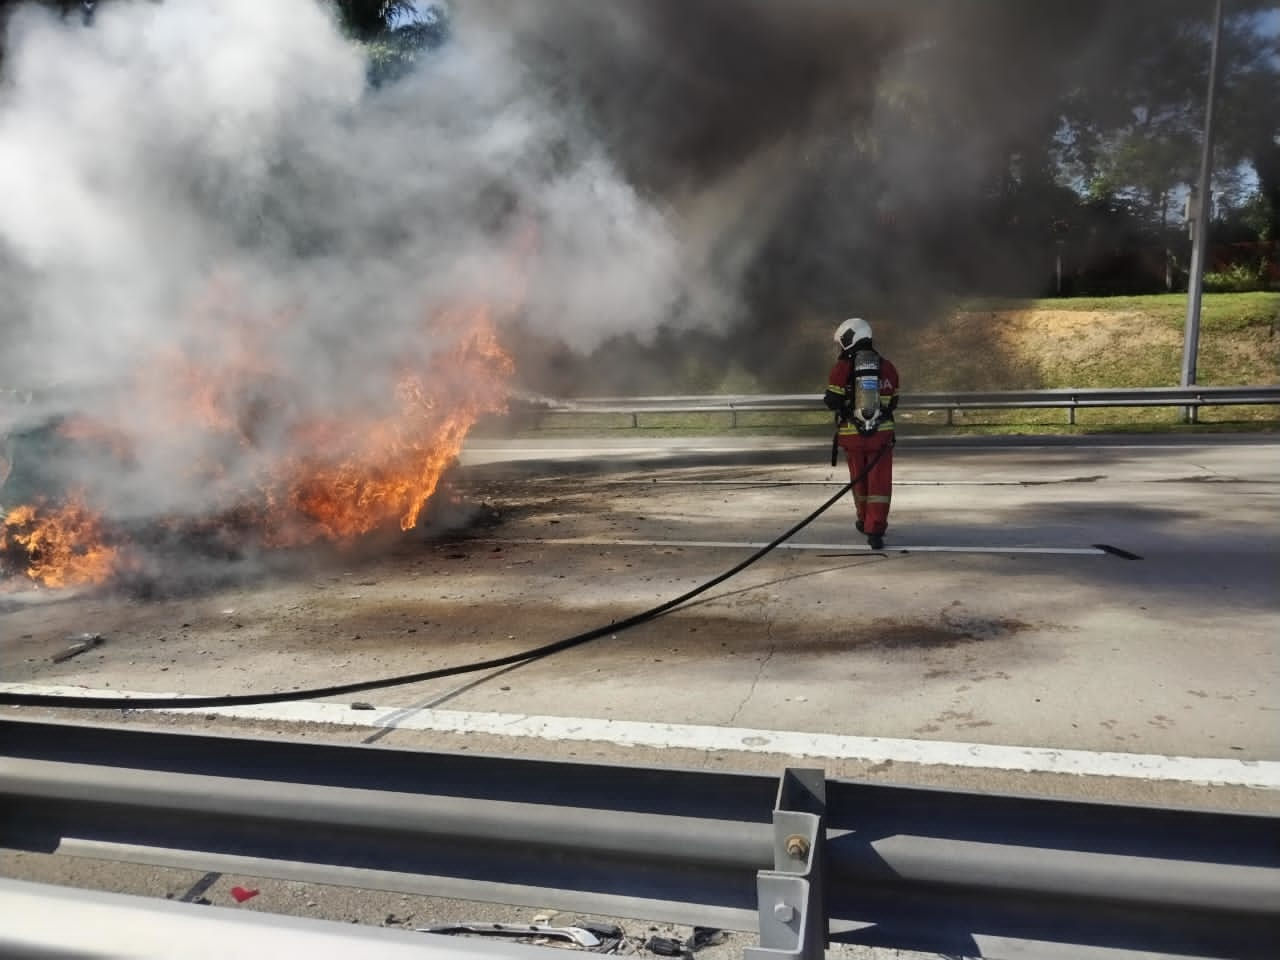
[706, 937]
[675, 947]
[612, 937]
[605, 931]
[575, 935]
[80, 642]
[665, 946]
[242, 894]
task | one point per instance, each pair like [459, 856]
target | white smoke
[230, 152]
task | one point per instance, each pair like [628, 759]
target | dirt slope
[1015, 349]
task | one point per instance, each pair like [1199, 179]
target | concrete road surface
[1091, 618]
[1088, 595]
[1103, 596]
[989, 619]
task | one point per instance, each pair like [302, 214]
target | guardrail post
[792, 896]
[949, 413]
[1071, 413]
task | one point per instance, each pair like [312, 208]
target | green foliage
[395, 33]
[1224, 311]
[396, 52]
[1256, 216]
[1138, 136]
[1237, 278]
[368, 19]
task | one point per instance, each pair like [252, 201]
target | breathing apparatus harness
[864, 412]
[861, 406]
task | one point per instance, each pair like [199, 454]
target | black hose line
[12, 699]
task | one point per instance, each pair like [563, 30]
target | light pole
[1200, 229]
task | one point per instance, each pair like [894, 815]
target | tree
[1250, 94]
[396, 37]
[393, 32]
[1138, 135]
[372, 19]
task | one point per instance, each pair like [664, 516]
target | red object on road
[242, 894]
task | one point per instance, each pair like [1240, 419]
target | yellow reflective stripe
[834, 388]
[885, 396]
[878, 499]
[849, 430]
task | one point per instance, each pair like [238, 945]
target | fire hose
[12, 699]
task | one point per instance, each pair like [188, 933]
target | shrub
[1238, 278]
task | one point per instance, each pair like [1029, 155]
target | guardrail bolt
[797, 847]
[784, 912]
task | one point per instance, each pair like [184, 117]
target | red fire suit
[871, 492]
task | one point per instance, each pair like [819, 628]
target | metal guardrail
[30, 409]
[802, 861]
[1071, 399]
[44, 921]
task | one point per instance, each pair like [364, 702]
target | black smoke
[825, 158]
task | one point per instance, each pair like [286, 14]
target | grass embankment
[1109, 342]
[1102, 342]
[1041, 344]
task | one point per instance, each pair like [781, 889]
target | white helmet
[854, 330]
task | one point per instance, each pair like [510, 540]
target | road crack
[755, 681]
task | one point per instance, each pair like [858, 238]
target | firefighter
[863, 392]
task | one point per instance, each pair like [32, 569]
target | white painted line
[791, 545]
[747, 482]
[1260, 774]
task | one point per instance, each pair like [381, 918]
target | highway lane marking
[790, 545]
[1258, 774]
[746, 482]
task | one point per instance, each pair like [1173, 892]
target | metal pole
[1200, 237]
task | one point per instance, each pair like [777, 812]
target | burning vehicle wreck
[256, 304]
[224, 466]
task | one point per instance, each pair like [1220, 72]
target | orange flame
[333, 478]
[63, 546]
[208, 405]
[387, 469]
